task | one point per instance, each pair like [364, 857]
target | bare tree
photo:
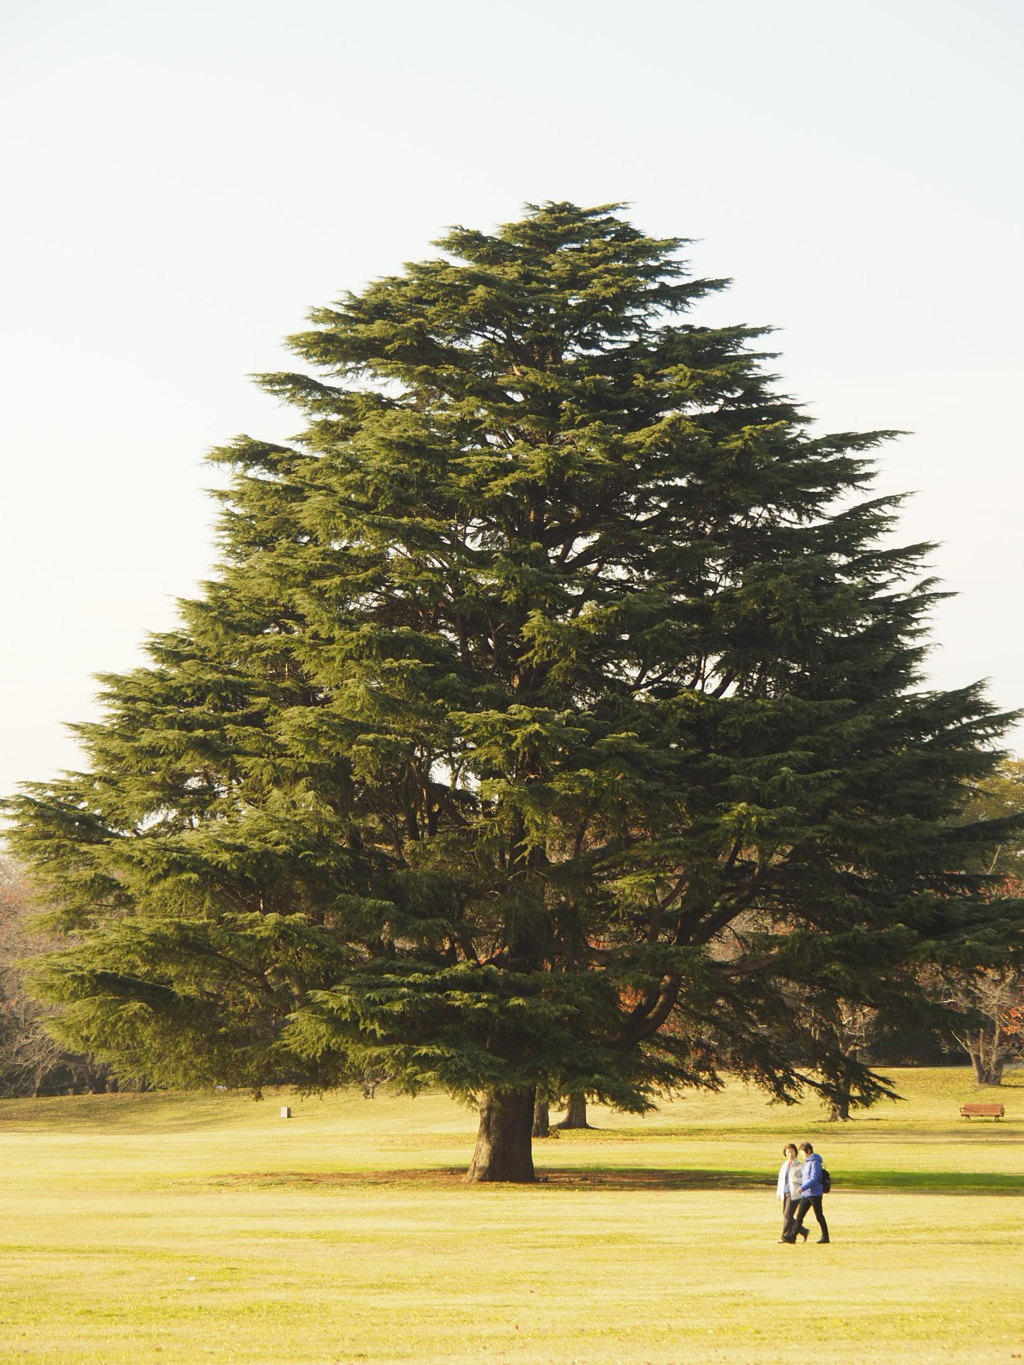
[31, 1061]
[990, 1003]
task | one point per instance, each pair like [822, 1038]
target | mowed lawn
[173, 1228]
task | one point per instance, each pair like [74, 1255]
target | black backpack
[826, 1181]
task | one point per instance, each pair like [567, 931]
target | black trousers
[812, 1202]
[789, 1205]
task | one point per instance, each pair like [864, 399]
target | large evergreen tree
[554, 720]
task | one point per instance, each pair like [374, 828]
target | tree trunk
[984, 1052]
[839, 1105]
[541, 1119]
[576, 1113]
[504, 1148]
[987, 1072]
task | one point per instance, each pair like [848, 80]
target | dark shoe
[820, 1240]
[790, 1241]
[802, 1232]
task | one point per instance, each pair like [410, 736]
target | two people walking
[800, 1189]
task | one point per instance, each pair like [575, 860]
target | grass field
[183, 1229]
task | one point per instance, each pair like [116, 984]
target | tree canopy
[555, 719]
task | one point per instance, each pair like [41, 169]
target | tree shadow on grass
[652, 1178]
[589, 1177]
[640, 1178]
[904, 1182]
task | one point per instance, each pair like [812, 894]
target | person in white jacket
[788, 1188]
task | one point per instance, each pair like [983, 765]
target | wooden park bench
[982, 1111]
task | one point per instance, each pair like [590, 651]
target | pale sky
[184, 179]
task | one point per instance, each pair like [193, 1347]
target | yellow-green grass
[180, 1229]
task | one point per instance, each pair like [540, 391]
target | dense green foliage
[555, 717]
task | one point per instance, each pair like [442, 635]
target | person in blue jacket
[810, 1197]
